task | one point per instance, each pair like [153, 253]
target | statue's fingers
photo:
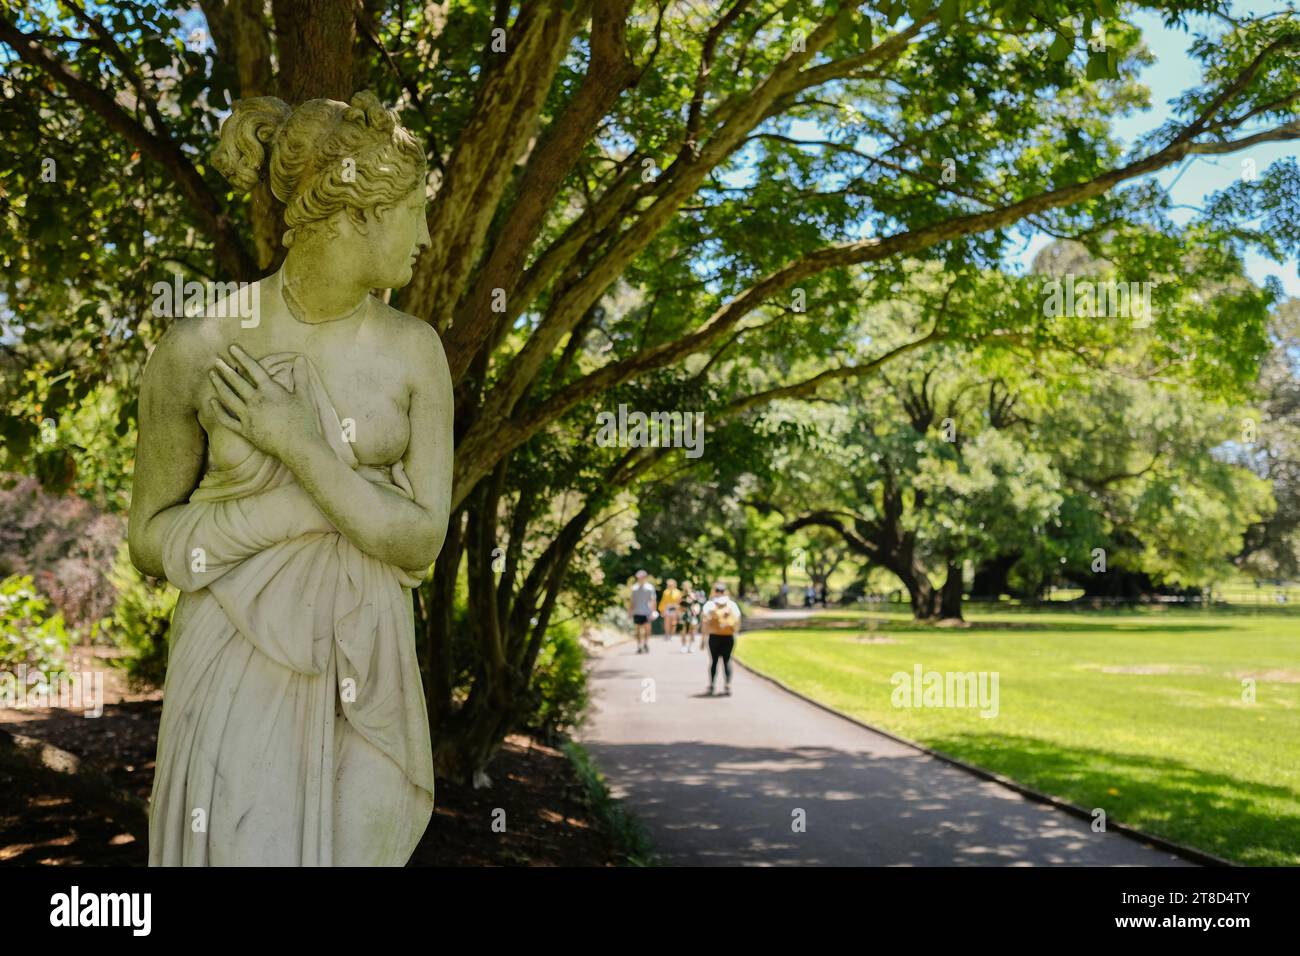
[233, 380]
[251, 367]
[225, 418]
[228, 396]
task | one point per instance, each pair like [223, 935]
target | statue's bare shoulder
[423, 356]
[183, 354]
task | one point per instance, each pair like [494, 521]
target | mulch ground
[535, 813]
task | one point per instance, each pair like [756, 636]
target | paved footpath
[718, 781]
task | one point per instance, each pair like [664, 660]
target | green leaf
[949, 12]
[1098, 66]
[864, 33]
[1061, 47]
[844, 27]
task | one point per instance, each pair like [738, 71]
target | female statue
[293, 479]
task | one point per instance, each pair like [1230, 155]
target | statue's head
[348, 174]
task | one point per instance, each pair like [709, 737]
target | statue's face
[395, 239]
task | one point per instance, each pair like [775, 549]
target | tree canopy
[688, 206]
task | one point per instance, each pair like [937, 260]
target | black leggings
[720, 645]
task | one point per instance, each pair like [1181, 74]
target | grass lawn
[1139, 713]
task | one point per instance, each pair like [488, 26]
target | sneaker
[709, 692]
[726, 691]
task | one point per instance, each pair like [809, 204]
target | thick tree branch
[504, 118]
[609, 72]
[676, 184]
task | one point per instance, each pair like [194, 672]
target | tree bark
[950, 598]
[313, 44]
[991, 576]
[242, 38]
[925, 600]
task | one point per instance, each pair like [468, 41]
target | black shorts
[640, 618]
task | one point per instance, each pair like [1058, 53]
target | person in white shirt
[641, 605]
[720, 622]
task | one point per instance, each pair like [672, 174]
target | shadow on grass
[1211, 811]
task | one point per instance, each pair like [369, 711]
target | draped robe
[294, 729]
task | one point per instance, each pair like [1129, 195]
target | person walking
[691, 606]
[720, 621]
[641, 605]
[670, 605]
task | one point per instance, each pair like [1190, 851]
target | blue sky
[1198, 177]
[1190, 183]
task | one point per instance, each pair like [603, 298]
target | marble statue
[293, 480]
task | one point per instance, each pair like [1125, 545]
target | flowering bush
[65, 544]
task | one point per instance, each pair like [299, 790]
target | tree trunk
[242, 37]
[990, 579]
[925, 604]
[504, 630]
[314, 47]
[950, 597]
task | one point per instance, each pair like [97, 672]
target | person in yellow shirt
[670, 606]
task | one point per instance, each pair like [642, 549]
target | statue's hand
[262, 410]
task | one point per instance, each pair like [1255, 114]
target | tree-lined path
[717, 781]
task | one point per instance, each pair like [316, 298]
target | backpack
[724, 619]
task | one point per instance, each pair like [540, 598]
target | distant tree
[1269, 442]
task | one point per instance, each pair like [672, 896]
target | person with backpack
[720, 621]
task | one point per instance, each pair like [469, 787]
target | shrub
[28, 634]
[141, 621]
[559, 687]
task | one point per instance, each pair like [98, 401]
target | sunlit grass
[1141, 714]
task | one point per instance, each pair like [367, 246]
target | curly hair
[321, 157]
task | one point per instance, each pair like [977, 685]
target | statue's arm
[405, 532]
[169, 451]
